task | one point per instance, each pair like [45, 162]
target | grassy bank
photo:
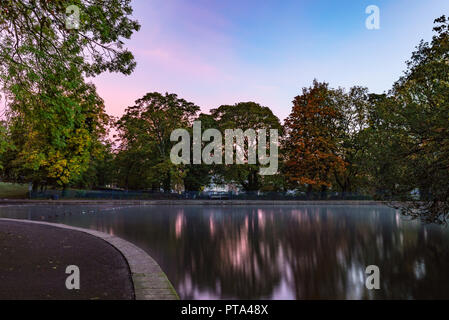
[13, 190]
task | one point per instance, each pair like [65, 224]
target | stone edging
[149, 281]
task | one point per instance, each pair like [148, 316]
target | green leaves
[56, 119]
[36, 31]
[415, 127]
[4, 143]
[144, 132]
[244, 115]
[55, 132]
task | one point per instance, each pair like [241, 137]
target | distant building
[221, 187]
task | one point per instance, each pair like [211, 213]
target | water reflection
[286, 252]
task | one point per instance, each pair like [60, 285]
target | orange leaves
[311, 146]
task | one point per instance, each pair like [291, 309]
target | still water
[274, 252]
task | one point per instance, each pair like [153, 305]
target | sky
[215, 52]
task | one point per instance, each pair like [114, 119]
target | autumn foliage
[311, 145]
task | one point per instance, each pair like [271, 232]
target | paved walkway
[34, 257]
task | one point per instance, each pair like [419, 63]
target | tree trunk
[167, 183]
[309, 192]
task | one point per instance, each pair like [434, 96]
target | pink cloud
[173, 60]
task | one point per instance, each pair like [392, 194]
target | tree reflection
[307, 253]
[284, 252]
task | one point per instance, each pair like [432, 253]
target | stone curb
[149, 281]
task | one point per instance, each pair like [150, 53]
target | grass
[13, 190]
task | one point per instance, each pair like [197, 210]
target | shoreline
[13, 202]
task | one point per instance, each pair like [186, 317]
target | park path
[34, 257]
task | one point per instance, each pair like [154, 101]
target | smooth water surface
[274, 252]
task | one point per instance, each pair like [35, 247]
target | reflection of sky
[179, 223]
[215, 52]
[285, 290]
[278, 252]
[355, 282]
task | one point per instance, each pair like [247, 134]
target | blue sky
[215, 52]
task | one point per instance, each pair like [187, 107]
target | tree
[198, 176]
[145, 130]
[101, 170]
[3, 142]
[312, 152]
[244, 115]
[384, 163]
[55, 117]
[353, 144]
[34, 35]
[56, 138]
[420, 107]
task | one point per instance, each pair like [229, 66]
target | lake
[274, 252]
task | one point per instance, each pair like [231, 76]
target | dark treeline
[55, 132]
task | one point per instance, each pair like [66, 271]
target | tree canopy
[55, 119]
[312, 146]
[244, 115]
[419, 125]
[144, 132]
